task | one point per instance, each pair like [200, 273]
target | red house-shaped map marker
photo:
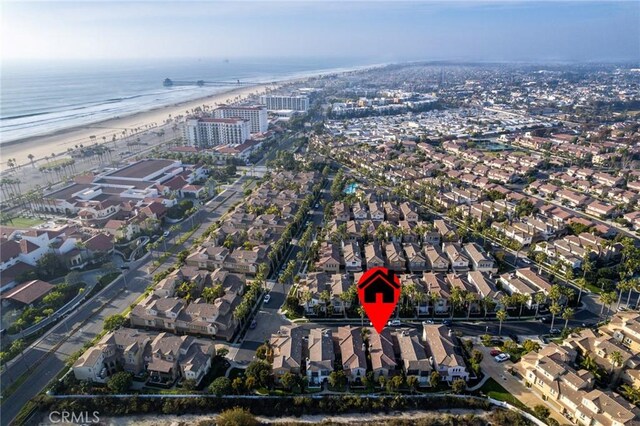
[379, 291]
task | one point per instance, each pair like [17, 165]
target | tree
[288, 380]
[476, 356]
[258, 369]
[189, 384]
[458, 386]
[616, 359]
[53, 299]
[539, 299]
[501, 315]
[113, 322]
[541, 412]
[530, 345]
[607, 299]
[236, 417]
[120, 382]
[237, 385]
[555, 309]
[72, 278]
[337, 379]
[567, 314]
[631, 393]
[434, 379]
[220, 386]
[250, 383]
[412, 383]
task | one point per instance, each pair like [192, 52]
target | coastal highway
[46, 358]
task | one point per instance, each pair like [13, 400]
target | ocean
[37, 98]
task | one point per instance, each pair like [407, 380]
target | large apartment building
[277, 103]
[257, 116]
[208, 132]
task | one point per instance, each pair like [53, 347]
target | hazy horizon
[368, 32]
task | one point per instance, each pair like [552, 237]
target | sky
[378, 31]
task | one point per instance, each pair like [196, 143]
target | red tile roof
[29, 292]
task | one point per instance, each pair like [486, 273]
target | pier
[170, 83]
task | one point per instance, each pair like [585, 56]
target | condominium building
[257, 116]
[208, 132]
[276, 103]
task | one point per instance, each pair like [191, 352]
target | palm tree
[567, 314]
[623, 285]
[501, 315]
[555, 309]
[31, 157]
[469, 298]
[522, 300]
[362, 313]
[616, 360]
[607, 299]
[539, 298]
[325, 297]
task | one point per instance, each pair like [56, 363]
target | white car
[501, 357]
[267, 298]
[394, 323]
[166, 234]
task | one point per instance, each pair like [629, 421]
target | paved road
[46, 358]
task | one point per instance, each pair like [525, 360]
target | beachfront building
[278, 103]
[257, 116]
[208, 132]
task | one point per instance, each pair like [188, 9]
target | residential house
[352, 257]
[287, 350]
[416, 262]
[459, 262]
[480, 260]
[373, 255]
[321, 356]
[383, 360]
[395, 257]
[436, 260]
[352, 350]
[414, 358]
[444, 352]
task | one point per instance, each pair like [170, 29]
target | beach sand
[57, 143]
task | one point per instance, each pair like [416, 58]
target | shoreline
[58, 142]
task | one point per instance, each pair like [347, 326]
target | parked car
[166, 234]
[267, 298]
[495, 352]
[253, 324]
[555, 331]
[394, 323]
[446, 322]
[501, 357]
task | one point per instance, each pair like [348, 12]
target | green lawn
[22, 222]
[495, 390]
